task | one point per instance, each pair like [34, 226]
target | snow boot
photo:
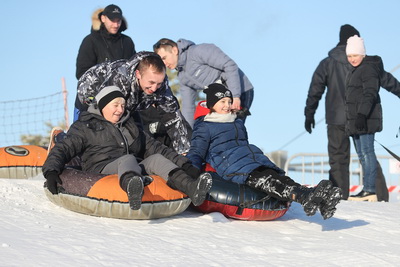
[133, 185]
[328, 206]
[313, 198]
[195, 189]
[284, 188]
[364, 196]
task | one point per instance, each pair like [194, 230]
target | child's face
[223, 106]
[114, 110]
[355, 60]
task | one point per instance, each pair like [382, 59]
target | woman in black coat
[363, 111]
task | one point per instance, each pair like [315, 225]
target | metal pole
[65, 96]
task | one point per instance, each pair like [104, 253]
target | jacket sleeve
[213, 56]
[177, 127]
[390, 83]
[317, 88]
[200, 144]
[144, 146]
[65, 150]
[370, 81]
[86, 57]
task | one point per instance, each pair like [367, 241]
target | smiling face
[223, 106]
[169, 55]
[150, 80]
[355, 60]
[114, 110]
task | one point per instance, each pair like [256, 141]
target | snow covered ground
[35, 232]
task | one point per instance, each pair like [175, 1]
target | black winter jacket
[362, 96]
[331, 73]
[99, 142]
[100, 46]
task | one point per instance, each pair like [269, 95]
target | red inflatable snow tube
[241, 202]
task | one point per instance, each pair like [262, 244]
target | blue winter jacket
[201, 65]
[225, 146]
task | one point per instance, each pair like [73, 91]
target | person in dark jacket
[144, 82]
[200, 65]
[105, 42]
[109, 141]
[220, 139]
[363, 111]
[331, 74]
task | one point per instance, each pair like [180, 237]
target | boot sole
[328, 207]
[370, 198]
[316, 197]
[135, 192]
[203, 186]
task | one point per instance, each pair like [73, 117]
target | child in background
[220, 139]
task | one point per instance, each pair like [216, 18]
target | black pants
[339, 161]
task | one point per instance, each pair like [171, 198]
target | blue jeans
[364, 145]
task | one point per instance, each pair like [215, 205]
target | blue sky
[278, 44]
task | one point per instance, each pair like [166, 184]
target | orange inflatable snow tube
[101, 195]
[22, 162]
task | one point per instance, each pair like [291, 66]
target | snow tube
[100, 195]
[22, 162]
[235, 200]
[239, 201]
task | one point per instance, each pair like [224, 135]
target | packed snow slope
[35, 232]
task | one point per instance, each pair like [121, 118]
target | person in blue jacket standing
[220, 139]
[199, 65]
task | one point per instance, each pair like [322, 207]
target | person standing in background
[200, 65]
[331, 73]
[105, 42]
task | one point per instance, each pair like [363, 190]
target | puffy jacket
[121, 73]
[331, 73]
[203, 64]
[362, 96]
[100, 46]
[225, 146]
[100, 142]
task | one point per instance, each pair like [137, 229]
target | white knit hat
[355, 46]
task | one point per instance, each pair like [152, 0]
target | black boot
[328, 206]
[132, 184]
[311, 198]
[195, 189]
[284, 188]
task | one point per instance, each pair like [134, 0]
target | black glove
[361, 122]
[243, 113]
[53, 178]
[157, 128]
[191, 170]
[309, 123]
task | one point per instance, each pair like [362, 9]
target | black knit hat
[346, 31]
[216, 92]
[112, 12]
[106, 95]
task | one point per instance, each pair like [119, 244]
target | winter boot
[195, 189]
[313, 198]
[132, 184]
[364, 196]
[328, 205]
[284, 188]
